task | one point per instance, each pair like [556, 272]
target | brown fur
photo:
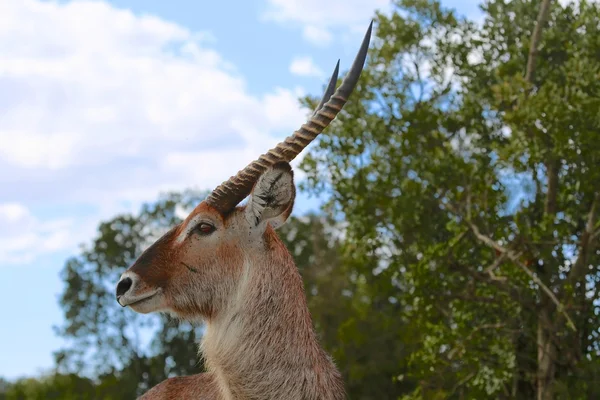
[197, 387]
[274, 328]
[242, 281]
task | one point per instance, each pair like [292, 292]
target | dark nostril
[123, 286]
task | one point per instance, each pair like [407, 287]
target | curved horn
[231, 192]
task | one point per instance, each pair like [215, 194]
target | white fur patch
[192, 223]
[271, 196]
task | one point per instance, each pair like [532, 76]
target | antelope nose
[123, 286]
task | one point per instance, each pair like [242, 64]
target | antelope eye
[204, 228]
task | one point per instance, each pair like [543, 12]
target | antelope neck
[263, 344]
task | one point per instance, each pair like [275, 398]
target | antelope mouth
[141, 300]
[125, 301]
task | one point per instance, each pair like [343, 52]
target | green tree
[4, 385]
[63, 387]
[465, 169]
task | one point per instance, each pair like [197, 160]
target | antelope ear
[272, 197]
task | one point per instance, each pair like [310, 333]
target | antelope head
[193, 270]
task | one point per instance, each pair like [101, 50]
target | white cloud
[23, 236]
[315, 35]
[318, 18]
[101, 108]
[12, 212]
[305, 66]
[282, 105]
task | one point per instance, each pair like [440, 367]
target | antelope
[224, 265]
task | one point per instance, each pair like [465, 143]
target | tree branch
[490, 270]
[461, 383]
[510, 290]
[461, 347]
[586, 237]
[514, 257]
[535, 40]
[596, 232]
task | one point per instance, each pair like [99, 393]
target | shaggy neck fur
[262, 345]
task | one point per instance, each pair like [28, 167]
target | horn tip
[357, 66]
[330, 87]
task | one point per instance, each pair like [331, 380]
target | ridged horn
[231, 192]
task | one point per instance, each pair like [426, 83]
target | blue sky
[104, 104]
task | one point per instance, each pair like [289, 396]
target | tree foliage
[53, 387]
[470, 194]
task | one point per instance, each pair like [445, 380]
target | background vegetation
[458, 255]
